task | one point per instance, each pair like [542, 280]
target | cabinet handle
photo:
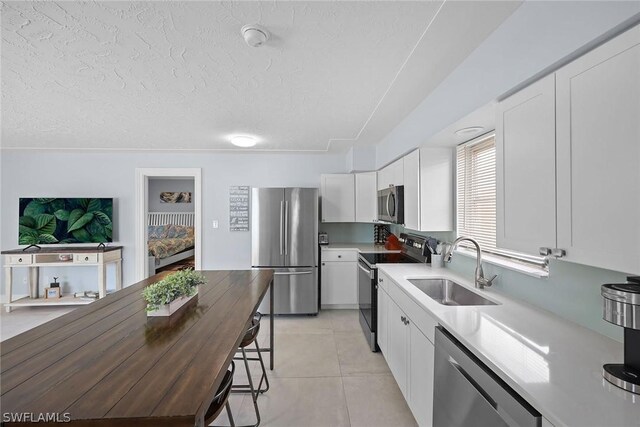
[558, 253]
[380, 280]
[406, 322]
[339, 256]
[323, 263]
[403, 319]
[544, 251]
[19, 259]
[86, 258]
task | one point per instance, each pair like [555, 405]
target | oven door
[367, 301]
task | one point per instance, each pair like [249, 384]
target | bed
[170, 238]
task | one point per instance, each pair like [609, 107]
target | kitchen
[558, 130]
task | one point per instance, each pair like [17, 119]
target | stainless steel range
[413, 248]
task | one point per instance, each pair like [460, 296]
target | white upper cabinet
[526, 170]
[411, 182]
[338, 198]
[436, 189]
[598, 155]
[366, 197]
[392, 174]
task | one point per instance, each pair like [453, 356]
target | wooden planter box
[173, 307]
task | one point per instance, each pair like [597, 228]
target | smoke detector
[254, 35]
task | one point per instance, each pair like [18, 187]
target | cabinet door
[421, 365]
[411, 180]
[436, 189]
[397, 346]
[526, 169]
[598, 131]
[338, 198]
[339, 283]
[397, 172]
[366, 197]
[383, 314]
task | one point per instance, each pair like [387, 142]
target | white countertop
[361, 247]
[552, 363]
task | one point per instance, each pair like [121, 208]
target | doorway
[168, 220]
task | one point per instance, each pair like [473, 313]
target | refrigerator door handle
[281, 221]
[286, 227]
[292, 273]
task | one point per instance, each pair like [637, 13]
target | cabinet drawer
[19, 259]
[346, 255]
[85, 258]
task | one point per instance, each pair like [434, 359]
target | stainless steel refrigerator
[284, 236]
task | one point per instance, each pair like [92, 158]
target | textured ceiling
[177, 75]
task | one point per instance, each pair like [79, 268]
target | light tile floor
[325, 373]
[24, 318]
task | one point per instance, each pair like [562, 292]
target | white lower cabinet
[421, 358]
[408, 352]
[383, 314]
[398, 347]
[339, 279]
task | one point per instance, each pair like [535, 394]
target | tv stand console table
[71, 256]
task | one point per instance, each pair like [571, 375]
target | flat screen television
[59, 221]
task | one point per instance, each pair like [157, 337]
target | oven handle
[366, 270]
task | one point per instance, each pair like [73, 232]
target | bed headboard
[164, 218]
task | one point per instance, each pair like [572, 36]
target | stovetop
[387, 258]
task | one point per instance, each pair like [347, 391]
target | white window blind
[476, 168]
[476, 202]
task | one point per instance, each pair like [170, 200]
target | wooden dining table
[108, 364]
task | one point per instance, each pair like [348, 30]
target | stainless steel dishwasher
[468, 393]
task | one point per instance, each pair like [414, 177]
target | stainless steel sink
[447, 292]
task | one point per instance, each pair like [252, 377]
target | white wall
[536, 36]
[159, 185]
[112, 174]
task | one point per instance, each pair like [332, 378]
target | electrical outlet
[215, 223]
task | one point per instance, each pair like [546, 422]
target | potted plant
[169, 294]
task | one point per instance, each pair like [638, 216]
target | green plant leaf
[98, 238]
[95, 227]
[27, 221]
[74, 216]
[47, 238]
[103, 217]
[82, 235]
[56, 205]
[62, 215]
[28, 239]
[34, 208]
[94, 205]
[45, 223]
[43, 200]
[27, 230]
[84, 203]
[68, 240]
[81, 222]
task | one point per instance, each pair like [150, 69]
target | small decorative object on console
[171, 293]
[52, 293]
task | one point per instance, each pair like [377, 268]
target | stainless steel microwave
[391, 205]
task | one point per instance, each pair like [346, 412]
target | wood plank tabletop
[108, 364]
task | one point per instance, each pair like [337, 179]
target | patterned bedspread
[164, 248]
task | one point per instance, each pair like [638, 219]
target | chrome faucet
[480, 280]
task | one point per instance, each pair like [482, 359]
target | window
[476, 168]
[476, 198]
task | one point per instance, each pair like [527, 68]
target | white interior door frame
[142, 208]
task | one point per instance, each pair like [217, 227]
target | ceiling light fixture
[243, 141]
[254, 35]
[473, 130]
